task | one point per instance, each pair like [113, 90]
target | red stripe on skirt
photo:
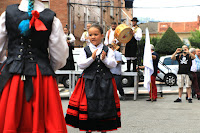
[42, 114]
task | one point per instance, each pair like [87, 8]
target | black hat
[135, 19]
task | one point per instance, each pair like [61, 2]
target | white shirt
[138, 34]
[85, 34]
[109, 61]
[111, 37]
[58, 53]
[194, 66]
[71, 36]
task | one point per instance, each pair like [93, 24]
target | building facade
[182, 29]
[77, 13]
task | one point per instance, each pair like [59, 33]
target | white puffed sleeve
[83, 61]
[58, 47]
[138, 34]
[3, 38]
[72, 38]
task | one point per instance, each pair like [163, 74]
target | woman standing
[70, 41]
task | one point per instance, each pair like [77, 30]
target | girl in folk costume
[29, 96]
[94, 104]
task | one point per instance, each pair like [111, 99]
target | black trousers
[118, 80]
[129, 65]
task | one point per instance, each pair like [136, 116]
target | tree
[168, 43]
[195, 39]
[140, 48]
[154, 40]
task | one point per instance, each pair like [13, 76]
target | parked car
[167, 70]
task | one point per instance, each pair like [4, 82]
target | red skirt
[77, 111]
[42, 114]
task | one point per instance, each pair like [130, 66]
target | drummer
[131, 46]
[110, 39]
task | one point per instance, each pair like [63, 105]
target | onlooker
[193, 77]
[110, 39]
[153, 88]
[131, 46]
[197, 60]
[85, 36]
[184, 58]
[70, 41]
[116, 71]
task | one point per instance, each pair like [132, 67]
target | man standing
[153, 88]
[131, 46]
[184, 59]
[85, 36]
[197, 60]
[110, 39]
[193, 77]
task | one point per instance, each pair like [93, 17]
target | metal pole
[101, 10]
[69, 16]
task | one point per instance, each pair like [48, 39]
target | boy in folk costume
[29, 96]
[94, 104]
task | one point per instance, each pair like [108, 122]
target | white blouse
[58, 53]
[71, 36]
[138, 34]
[85, 62]
[111, 38]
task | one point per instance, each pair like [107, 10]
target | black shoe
[198, 98]
[189, 100]
[123, 98]
[127, 71]
[150, 100]
[186, 98]
[177, 100]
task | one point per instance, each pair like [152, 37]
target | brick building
[183, 29]
[77, 13]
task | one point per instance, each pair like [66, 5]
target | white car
[168, 70]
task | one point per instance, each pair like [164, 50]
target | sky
[154, 9]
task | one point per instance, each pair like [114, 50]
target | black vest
[25, 52]
[97, 67]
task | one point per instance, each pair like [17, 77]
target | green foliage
[168, 43]
[154, 40]
[195, 39]
[140, 48]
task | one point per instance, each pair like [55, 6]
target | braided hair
[24, 24]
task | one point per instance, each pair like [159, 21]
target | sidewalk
[163, 116]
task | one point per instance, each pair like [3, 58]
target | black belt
[28, 84]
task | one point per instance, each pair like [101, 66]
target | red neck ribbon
[35, 22]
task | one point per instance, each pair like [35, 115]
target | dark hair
[110, 46]
[98, 27]
[113, 23]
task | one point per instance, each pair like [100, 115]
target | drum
[123, 33]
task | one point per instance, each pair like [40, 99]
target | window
[112, 9]
[46, 3]
[169, 61]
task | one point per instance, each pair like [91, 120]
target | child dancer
[94, 104]
[29, 96]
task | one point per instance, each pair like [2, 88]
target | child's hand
[94, 54]
[103, 55]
